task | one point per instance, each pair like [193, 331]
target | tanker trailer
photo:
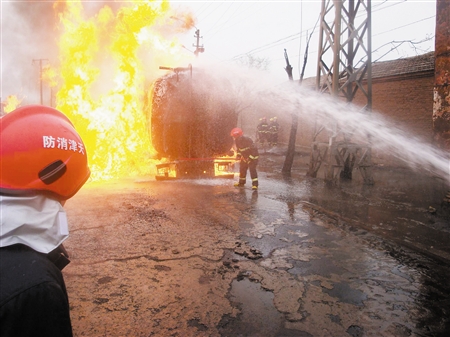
[190, 121]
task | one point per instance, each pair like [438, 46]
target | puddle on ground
[258, 316]
[344, 293]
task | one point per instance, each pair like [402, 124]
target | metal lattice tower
[344, 68]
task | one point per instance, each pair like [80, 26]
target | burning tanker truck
[190, 120]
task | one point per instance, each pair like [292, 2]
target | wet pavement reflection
[354, 281]
[296, 258]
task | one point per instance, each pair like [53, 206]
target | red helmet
[236, 132]
[41, 153]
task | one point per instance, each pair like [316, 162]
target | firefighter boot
[237, 184]
[254, 188]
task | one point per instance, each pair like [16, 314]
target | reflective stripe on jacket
[246, 148]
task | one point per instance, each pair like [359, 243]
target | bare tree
[289, 160]
[396, 44]
[253, 62]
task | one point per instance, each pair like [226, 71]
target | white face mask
[36, 221]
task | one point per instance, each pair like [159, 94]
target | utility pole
[40, 76]
[198, 48]
[441, 104]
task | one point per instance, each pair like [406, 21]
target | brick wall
[407, 102]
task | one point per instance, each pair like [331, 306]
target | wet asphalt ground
[296, 258]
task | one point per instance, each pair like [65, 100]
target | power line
[223, 13]
[397, 44]
[234, 16]
[202, 9]
[301, 34]
[223, 24]
[223, 27]
[270, 45]
[409, 24]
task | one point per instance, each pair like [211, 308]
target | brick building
[403, 90]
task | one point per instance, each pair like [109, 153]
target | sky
[229, 30]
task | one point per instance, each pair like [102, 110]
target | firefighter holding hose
[247, 154]
[43, 163]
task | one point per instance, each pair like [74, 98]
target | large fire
[107, 62]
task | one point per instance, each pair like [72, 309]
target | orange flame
[49, 76]
[11, 103]
[107, 62]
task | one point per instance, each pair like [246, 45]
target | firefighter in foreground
[247, 154]
[43, 163]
